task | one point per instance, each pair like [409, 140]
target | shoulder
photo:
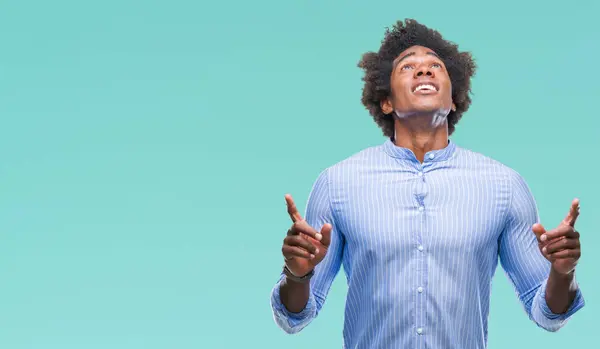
[352, 165]
[344, 172]
[483, 162]
[487, 165]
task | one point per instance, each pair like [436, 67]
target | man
[419, 223]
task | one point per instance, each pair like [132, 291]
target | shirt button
[431, 156]
[420, 289]
[420, 248]
[420, 174]
[419, 330]
[421, 208]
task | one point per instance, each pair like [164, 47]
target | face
[420, 84]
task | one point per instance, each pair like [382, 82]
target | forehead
[419, 50]
[416, 51]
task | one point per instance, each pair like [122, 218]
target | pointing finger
[573, 213]
[292, 210]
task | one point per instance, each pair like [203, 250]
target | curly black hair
[378, 68]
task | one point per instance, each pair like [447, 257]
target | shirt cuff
[289, 321]
[550, 320]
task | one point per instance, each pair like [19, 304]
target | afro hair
[378, 67]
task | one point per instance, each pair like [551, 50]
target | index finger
[291, 208]
[573, 213]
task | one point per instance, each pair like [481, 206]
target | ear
[453, 106]
[386, 106]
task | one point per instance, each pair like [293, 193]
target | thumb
[326, 234]
[538, 230]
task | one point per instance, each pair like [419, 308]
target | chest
[453, 212]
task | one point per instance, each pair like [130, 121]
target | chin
[432, 109]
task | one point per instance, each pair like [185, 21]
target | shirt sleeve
[524, 264]
[318, 212]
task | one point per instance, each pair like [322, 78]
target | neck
[420, 135]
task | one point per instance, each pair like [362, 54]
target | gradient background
[146, 147]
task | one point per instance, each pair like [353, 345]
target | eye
[406, 67]
[436, 65]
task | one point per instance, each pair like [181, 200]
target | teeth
[425, 87]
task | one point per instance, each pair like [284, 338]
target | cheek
[398, 94]
[448, 92]
[449, 96]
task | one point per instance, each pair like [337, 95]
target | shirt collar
[406, 154]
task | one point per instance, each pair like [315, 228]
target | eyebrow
[412, 54]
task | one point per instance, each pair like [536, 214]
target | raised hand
[561, 245]
[303, 247]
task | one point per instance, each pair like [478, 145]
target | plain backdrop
[146, 147]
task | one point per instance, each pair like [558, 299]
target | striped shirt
[419, 244]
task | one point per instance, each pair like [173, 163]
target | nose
[424, 70]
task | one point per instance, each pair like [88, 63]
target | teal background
[146, 147]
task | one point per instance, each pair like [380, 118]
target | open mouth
[425, 89]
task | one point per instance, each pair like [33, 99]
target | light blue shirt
[419, 244]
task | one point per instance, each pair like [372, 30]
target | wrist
[561, 275]
[562, 280]
[302, 279]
